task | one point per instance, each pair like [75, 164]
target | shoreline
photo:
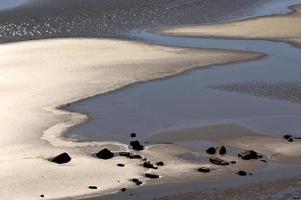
[55, 133]
[61, 79]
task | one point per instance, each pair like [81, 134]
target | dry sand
[36, 77]
[278, 27]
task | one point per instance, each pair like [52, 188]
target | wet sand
[239, 137]
[287, 91]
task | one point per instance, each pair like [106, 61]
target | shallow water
[186, 101]
[6, 4]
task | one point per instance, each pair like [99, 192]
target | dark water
[40, 19]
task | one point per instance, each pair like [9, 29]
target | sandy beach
[39, 77]
[278, 28]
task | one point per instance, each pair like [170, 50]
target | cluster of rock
[290, 138]
[246, 155]
[106, 154]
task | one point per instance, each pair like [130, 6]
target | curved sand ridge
[36, 77]
[278, 27]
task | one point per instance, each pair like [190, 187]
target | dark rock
[125, 154]
[241, 173]
[42, 195]
[211, 150]
[130, 155]
[148, 164]
[62, 158]
[92, 187]
[204, 169]
[263, 161]
[135, 180]
[222, 150]
[290, 140]
[105, 154]
[133, 135]
[136, 145]
[160, 163]
[120, 165]
[152, 176]
[123, 189]
[287, 136]
[233, 162]
[248, 155]
[218, 161]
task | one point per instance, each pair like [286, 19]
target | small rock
[152, 176]
[160, 163]
[222, 150]
[241, 173]
[130, 155]
[105, 154]
[233, 162]
[218, 161]
[42, 196]
[287, 136]
[290, 140]
[133, 135]
[120, 165]
[204, 169]
[248, 155]
[62, 158]
[148, 164]
[263, 161]
[136, 145]
[91, 187]
[123, 189]
[211, 150]
[135, 180]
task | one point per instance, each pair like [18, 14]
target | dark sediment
[288, 91]
[102, 18]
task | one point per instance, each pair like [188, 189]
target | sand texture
[278, 27]
[276, 149]
[36, 77]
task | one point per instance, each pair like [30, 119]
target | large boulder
[105, 154]
[136, 145]
[61, 158]
[218, 161]
[248, 155]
